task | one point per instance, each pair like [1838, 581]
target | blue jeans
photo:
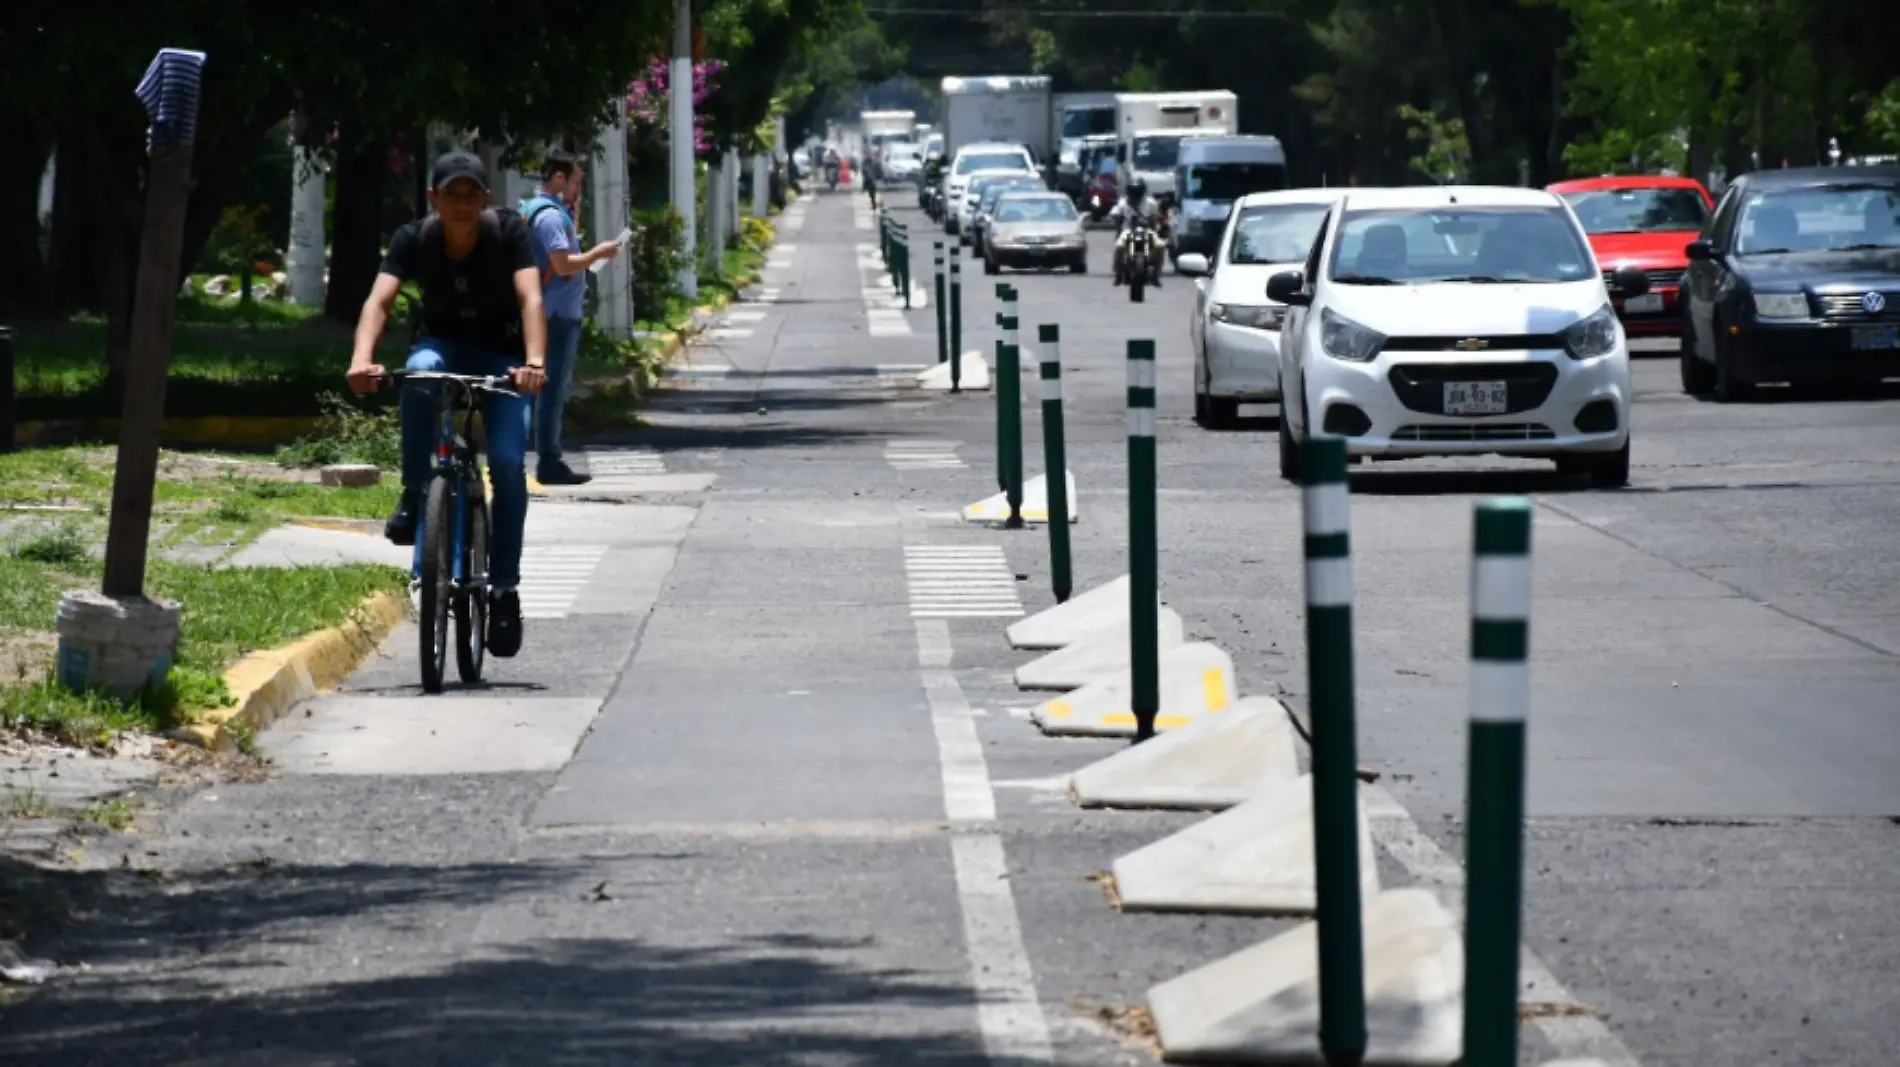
[505, 443]
[564, 344]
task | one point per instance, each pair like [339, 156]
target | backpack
[547, 273]
[494, 282]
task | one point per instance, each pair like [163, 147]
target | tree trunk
[74, 279]
[22, 269]
[356, 237]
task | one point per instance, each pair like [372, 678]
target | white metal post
[680, 129]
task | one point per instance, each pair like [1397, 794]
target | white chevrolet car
[1456, 320]
[1235, 329]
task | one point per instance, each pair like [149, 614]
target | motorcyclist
[1136, 205]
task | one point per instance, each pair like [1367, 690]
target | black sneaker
[504, 622]
[401, 527]
[559, 473]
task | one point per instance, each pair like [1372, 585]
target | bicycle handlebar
[487, 382]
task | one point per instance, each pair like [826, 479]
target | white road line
[745, 316]
[552, 577]
[621, 469]
[960, 581]
[1008, 1011]
[1571, 1036]
[729, 333]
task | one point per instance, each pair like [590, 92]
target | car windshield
[1105, 163]
[1088, 121]
[1424, 246]
[1035, 209]
[1638, 210]
[1231, 181]
[1819, 219]
[1158, 152]
[1275, 233]
[992, 161]
[998, 188]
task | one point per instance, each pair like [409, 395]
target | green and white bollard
[900, 268]
[884, 237]
[1494, 793]
[956, 318]
[1329, 671]
[1055, 459]
[1144, 560]
[943, 336]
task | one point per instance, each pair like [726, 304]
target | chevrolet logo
[1471, 344]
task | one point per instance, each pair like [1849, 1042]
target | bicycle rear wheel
[471, 601]
[438, 582]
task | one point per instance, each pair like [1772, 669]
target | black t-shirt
[470, 300]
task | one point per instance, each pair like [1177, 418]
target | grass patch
[350, 434]
[113, 813]
[226, 613]
[210, 498]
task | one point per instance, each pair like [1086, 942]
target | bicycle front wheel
[438, 582]
[471, 603]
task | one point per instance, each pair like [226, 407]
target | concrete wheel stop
[1217, 763]
[1197, 681]
[1104, 655]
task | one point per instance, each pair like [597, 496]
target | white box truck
[1003, 107]
[1151, 127]
[1075, 117]
[883, 126]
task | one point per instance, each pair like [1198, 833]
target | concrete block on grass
[1252, 859]
[1197, 680]
[1104, 655]
[1221, 761]
[1261, 1004]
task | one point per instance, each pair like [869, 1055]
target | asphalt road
[702, 819]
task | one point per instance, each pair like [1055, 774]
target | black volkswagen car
[1796, 278]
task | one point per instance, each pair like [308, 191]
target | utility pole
[305, 259]
[614, 314]
[680, 129]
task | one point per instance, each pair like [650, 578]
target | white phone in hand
[600, 264]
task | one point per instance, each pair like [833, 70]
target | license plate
[1477, 398]
[1870, 338]
[1637, 305]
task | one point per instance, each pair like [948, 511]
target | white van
[1210, 174]
[971, 158]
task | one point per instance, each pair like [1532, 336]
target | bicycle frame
[454, 458]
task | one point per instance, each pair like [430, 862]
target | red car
[1643, 221]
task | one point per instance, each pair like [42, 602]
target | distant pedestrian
[550, 214]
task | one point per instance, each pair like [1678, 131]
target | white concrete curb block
[1221, 761]
[1035, 503]
[1255, 859]
[1197, 680]
[1104, 655]
[1100, 609]
[975, 372]
[1261, 1004]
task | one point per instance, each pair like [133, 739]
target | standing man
[550, 215]
[481, 314]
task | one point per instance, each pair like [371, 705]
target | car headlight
[1344, 339]
[1259, 317]
[1781, 305]
[1596, 334]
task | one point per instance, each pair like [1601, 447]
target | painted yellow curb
[267, 684]
[245, 432]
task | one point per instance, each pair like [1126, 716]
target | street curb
[269, 683]
[242, 431]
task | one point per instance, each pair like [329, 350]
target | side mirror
[1193, 263]
[1289, 288]
[1702, 250]
[1629, 281]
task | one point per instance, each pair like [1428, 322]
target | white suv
[1459, 320]
[970, 159]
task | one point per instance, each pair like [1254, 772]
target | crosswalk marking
[552, 577]
[745, 316]
[729, 333]
[960, 581]
[622, 468]
[922, 455]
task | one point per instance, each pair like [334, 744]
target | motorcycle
[1141, 267]
[1101, 198]
[831, 176]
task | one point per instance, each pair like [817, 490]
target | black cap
[453, 165]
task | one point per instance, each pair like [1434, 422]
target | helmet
[1137, 189]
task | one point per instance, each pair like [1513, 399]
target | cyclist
[870, 186]
[482, 314]
[1136, 203]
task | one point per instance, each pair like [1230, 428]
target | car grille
[1421, 386]
[1509, 343]
[1661, 278]
[1848, 306]
[1484, 431]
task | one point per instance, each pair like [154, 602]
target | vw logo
[1873, 303]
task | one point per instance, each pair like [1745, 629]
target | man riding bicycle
[482, 315]
[1136, 204]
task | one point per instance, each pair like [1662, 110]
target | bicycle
[452, 543]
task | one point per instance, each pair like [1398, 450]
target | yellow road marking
[1212, 686]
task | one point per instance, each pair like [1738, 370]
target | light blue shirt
[554, 231]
